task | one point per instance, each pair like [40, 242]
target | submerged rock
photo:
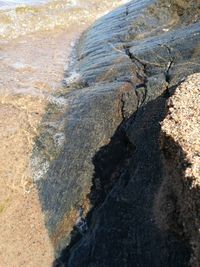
[110, 166]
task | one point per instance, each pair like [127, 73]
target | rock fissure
[122, 107]
[142, 77]
[133, 57]
[169, 65]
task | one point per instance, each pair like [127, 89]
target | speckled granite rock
[109, 168]
[178, 203]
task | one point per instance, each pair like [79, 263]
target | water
[18, 18]
[13, 3]
[22, 2]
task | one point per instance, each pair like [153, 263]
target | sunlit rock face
[177, 203]
[97, 188]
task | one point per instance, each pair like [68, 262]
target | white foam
[39, 169]
[73, 77]
[60, 102]
[21, 66]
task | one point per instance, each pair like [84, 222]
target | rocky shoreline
[97, 189]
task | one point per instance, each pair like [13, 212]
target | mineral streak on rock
[178, 202]
[111, 154]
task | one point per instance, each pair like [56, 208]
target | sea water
[13, 3]
[19, 17]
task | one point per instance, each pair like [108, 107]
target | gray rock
[127, 64]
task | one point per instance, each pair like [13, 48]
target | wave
[7, 4]
[21, 17]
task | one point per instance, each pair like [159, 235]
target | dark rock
[128, 62]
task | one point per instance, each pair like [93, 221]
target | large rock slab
[90, 122]
[102, 179]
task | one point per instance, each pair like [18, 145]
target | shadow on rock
[177, 204]
[121, 228]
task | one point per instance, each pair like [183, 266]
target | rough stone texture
[110, 163]
[178, 202]
[92, 117]
[183, 125]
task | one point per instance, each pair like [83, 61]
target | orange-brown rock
[178, 201]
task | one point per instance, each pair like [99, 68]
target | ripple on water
[21, 17]
[18, 17]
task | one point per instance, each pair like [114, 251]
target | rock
[177, 205]
[93, 116]
[110, 166]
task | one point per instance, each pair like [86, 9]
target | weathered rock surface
[102, 180]
[178, 202]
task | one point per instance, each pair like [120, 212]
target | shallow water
[7, 2]
[23, 1]
[35, 47]
[17, 19]
[13, 3]
[22, 17]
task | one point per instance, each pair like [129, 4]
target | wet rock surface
[102, 180]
